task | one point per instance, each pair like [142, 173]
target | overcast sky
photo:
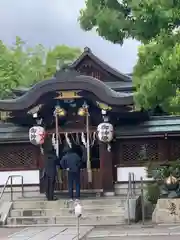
[52, 22]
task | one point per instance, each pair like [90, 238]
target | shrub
[159, 174]
[152, 192]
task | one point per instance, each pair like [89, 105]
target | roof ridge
[104, 65]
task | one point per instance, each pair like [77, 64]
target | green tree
[9, 70]
[24, 66]
[156, 74]
[156, 25]
[116, 20]
[60, 56]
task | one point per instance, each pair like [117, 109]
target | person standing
[71, 161]
[50, 171]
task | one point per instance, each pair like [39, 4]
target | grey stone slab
[49, 233]
[83, 232]
[26, 233]
[71, 233]
[136, 238]
[99, 233]
[53, 233]
[5, 232]
[73, 230]
[63, 237]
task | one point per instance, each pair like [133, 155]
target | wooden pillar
[106, 168]
[115, 159]
[163, 150]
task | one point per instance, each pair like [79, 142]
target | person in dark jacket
[71, 161]
[50, 164]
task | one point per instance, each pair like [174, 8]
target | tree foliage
[156, 74]
[24, 66]
[116, 20]
[156, 24]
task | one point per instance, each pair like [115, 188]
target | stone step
[63, 203]
[65, 211]
[91, 220]
[68, 206]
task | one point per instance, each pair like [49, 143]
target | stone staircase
[39, 212]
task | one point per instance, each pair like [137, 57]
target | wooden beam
[72, 130]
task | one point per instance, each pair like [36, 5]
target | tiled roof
[105, 66]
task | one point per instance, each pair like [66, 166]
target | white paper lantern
[105, 132]
[78, 210]
[37, 135]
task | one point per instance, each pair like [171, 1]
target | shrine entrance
[73, 123]
[78, 140]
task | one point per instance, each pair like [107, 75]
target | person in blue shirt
[71, 161]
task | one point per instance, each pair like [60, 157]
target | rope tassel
[68, 140]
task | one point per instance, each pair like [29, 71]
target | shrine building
[140, 137]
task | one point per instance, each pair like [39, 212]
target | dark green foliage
[156, 74]
[156, 24]
[160, 173]
[141, 19]
[153, 192]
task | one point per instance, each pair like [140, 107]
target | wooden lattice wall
[18, 156]
[139, 152]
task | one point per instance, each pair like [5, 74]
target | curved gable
[67, 81]
[90, 64]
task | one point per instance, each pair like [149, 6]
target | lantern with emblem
[37, 135]
[105, 130]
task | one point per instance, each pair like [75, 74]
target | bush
[153, 192]
[159, 173]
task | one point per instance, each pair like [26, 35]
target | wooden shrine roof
[10, 132]
[66, 80]
[114, 79]
[88, 53]
[123, 87]
[155, 126]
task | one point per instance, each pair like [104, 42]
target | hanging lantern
[60, 112]
[105, 132]
[37, 135]
[82, 112]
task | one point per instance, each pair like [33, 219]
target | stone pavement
[45, 233]
[133, 231]
[142, 238]
[4, 232]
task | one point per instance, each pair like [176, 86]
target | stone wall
[167, 211]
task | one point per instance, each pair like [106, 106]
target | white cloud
[55, 22]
